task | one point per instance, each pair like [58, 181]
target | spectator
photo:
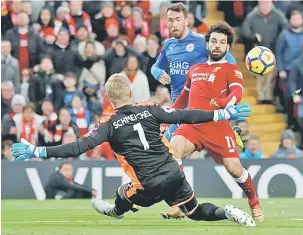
[116, 57]
[136, 25]
[125, 16]
[92, 7]
[162, 96]
[7, 93]
[287, 6]
[94, 70]
[64, 124]
[9, 18]
[25, 81]
[140, 44]
[91, 97]
[27, 46]
[61, 14]
[287, 148]
[70, 81]
[145, 7]
[44, 85]
[46, 26]
[9, 66]
[295, 79]
[198, 9]
[28, 123]
[69, 137]
[9, 130]
[164, 32]
[263, 19]
[286, 53]
[27, 8]
[6, 154]
[252, 149]
[77, 17]
[139, 83]
[196, 25]
[96, 114]
[150, 57]
[61, 185]
[82, 35]
[50, 118]
[101, 19]
[244, 130]
[99, 48]
[112, 30]
[80, 116]
[65, 60]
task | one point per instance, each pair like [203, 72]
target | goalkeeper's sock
[246, 183]
[208, 212]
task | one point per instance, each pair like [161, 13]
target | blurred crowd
[57, 55]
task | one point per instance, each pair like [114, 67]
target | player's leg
[126, 198]
[117, 210]
[243, 179]
[222, 148]
[183, 143]
[183, 197]
[181, 147]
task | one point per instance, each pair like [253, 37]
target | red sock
[246, 183]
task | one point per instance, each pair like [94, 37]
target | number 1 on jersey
[138, 127]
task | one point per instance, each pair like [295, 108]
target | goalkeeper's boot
[237, 130]
[234, 214]
[105, 208]
[173, 213]
[257, 213]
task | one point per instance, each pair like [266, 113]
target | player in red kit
[209, 86]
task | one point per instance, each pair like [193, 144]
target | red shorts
[218, 140]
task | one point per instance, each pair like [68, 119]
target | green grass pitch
[76, 217]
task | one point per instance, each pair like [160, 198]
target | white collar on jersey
[216, 62]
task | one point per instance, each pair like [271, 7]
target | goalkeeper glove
[25, 150]
[233, 112]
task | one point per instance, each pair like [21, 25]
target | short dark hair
[178, 7]
[224, 28]
[293, 11]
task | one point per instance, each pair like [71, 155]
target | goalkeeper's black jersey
[133, 132]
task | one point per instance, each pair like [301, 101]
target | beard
[177, 33]
[216, 57]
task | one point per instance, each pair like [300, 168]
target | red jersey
[209, 81]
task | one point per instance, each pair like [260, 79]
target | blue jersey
[178, 56]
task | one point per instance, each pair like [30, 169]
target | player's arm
[235, 87]
[176, 116]
[160, 66]
[182, 101]
[95, 137]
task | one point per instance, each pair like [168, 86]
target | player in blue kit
[179, 53]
